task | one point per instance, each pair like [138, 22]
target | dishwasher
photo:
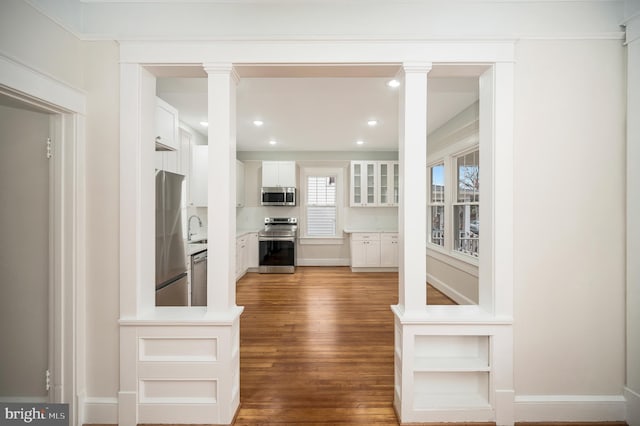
[199, 279]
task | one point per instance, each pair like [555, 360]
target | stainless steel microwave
[278, 196]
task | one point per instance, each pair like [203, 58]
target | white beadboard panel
[178, 349]
[178, 391]
[569, 408]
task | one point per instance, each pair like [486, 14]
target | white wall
[569, 218]
[24, 252]
[101, 75]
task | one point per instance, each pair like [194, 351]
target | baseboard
[569, 408]
[100, 410]
[451, 293]
[323, 262]
[633, 406]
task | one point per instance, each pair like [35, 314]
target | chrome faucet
[189, 233]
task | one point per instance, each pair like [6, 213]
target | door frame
[67, 220]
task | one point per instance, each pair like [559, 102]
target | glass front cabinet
[388, 187]
[363, 183]
[375, 184]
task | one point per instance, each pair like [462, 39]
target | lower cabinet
[374, 250]
[241, 245]
[246, 253]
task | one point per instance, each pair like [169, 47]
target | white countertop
[245, 231]
[373, 229]
[193, 248]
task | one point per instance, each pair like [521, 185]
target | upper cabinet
[279, 173]
[364, 182]
[388, 183]
[375, 184]
[166, 126]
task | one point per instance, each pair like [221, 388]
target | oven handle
[290, 239]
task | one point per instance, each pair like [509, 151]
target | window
[453, 220]
[436, 205]
[321, 206]
[465, 209]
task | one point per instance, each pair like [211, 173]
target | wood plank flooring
[316, 347]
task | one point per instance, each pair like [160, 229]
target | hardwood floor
[316, 347]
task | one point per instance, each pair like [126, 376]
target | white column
[632, 391]
[413, 186]
[221, 283]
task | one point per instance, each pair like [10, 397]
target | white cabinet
[246, 253]
[389, 250]
[375, 184]
[166, 126]
[279, 173]
[252, 250]
[199, 175]
[374, 250]
[241, 244]
[363, 183]
[388, 183]
[168, 155]
[240, 184]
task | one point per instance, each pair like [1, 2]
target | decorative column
[632, 388]
[221, 287]
[413, 187]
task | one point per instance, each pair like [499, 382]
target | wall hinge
[47, 380]
[49, 148]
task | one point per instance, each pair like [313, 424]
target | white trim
[569, 408]
[441, 286]
[324, 262]
[374, 269]
[101, 410]
[633, 406]
[338, 172]
[53, 92]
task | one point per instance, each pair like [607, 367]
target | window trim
[338, 173]
[448, 156]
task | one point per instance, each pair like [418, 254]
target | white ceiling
[306, 112]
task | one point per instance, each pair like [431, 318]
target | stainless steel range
[277, 243]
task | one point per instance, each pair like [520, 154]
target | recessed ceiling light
[204, 124]
[258, 123]
[393, 83]
[272, 142]
[360, 142]
[372, 122]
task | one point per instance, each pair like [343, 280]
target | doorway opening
[25, 225]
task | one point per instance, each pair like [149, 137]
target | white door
[24, 252]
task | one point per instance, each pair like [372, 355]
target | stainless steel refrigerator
[171, 270]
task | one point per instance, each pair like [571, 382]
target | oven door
[277, 255]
